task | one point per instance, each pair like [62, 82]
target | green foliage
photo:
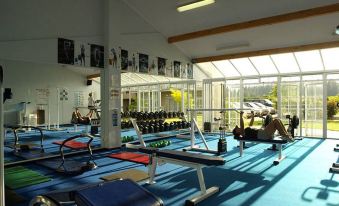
[273, 95]
[332, 107]
[133, 105]
[176, 95]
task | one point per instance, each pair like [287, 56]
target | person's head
[90, 94]
[236, 131]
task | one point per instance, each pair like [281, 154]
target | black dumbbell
[145, 130]
[150, 129]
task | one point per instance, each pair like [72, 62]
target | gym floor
[302, 178]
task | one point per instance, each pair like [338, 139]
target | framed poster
[82, 54]
[176, 65]
[143, 63]
[65, 51]
[97, 56]
[161, 66]
[124, 60]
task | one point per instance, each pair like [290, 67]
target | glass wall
[332, 106]
[312, 106]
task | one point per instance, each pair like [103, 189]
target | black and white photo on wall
[189, 71]
[82, 54]
[97, 56]
[161, 66]
[65, 51]
[176, 65]
[124, 60]
[143, 63]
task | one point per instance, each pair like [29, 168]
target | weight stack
[222, 146]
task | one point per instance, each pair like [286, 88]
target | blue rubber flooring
[302, 178]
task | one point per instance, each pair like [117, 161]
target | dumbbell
[145, 130]
[171, 126]
[166, 126]
[150, 129]
[161, 114]
[156, 115]
[161, 127]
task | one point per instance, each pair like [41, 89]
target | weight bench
[114, 193]
[277, 141]
[196, 161]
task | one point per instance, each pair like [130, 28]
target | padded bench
[114, 193]
[196, 161]
[277, 141]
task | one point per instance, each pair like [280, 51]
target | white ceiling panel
[286, 63]
[264, 64]
[330, 58]
[226, 68]
[244, 66]
[209, 69]
[309, 61]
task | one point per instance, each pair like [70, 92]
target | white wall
[25, 77]
[130, 31]
[28, 46]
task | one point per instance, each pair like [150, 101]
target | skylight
[285, 63]
[330, 58]
[226, 68]
[309, 61]
[264, 64]
[244, 66]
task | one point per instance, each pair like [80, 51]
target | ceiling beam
[92, 76]
[257, 22]
[307, 47]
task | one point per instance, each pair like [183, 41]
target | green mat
[18, 177]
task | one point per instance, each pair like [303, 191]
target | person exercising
[91, 105]
[77, 118]
[264, 133]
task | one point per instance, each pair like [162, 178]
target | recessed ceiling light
[194, 5]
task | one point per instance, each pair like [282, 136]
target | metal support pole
[279, 105]
[300, 108]
[324, 105]
[241, 93]
[138, 100]
[182, 100]
[201, 180]
[2, 162]
[159, 98]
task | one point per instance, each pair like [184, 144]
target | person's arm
[252, 119]
[242, 127]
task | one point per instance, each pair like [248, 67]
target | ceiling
[162, 15]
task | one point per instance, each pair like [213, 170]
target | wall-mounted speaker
[89, 82]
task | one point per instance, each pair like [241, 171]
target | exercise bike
[293, 123]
